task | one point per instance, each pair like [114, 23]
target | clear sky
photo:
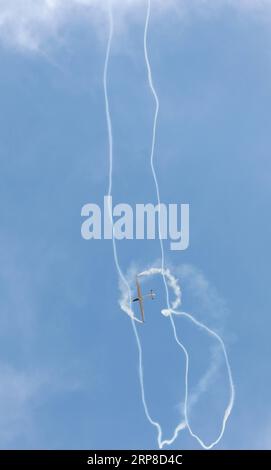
[68, 356]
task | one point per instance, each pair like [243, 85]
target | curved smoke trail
[126, 300]
[170, 311]
[109, 193]
[110, 143]
[172, 282]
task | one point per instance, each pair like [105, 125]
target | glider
[140, 298]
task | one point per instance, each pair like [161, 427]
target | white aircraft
[140, 298]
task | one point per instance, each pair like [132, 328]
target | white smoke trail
[110, 142]
[168, 279]
[169, 311]
[157, 105]
[121, 275]
[232, 390]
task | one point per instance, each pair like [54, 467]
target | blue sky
[69, 361]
